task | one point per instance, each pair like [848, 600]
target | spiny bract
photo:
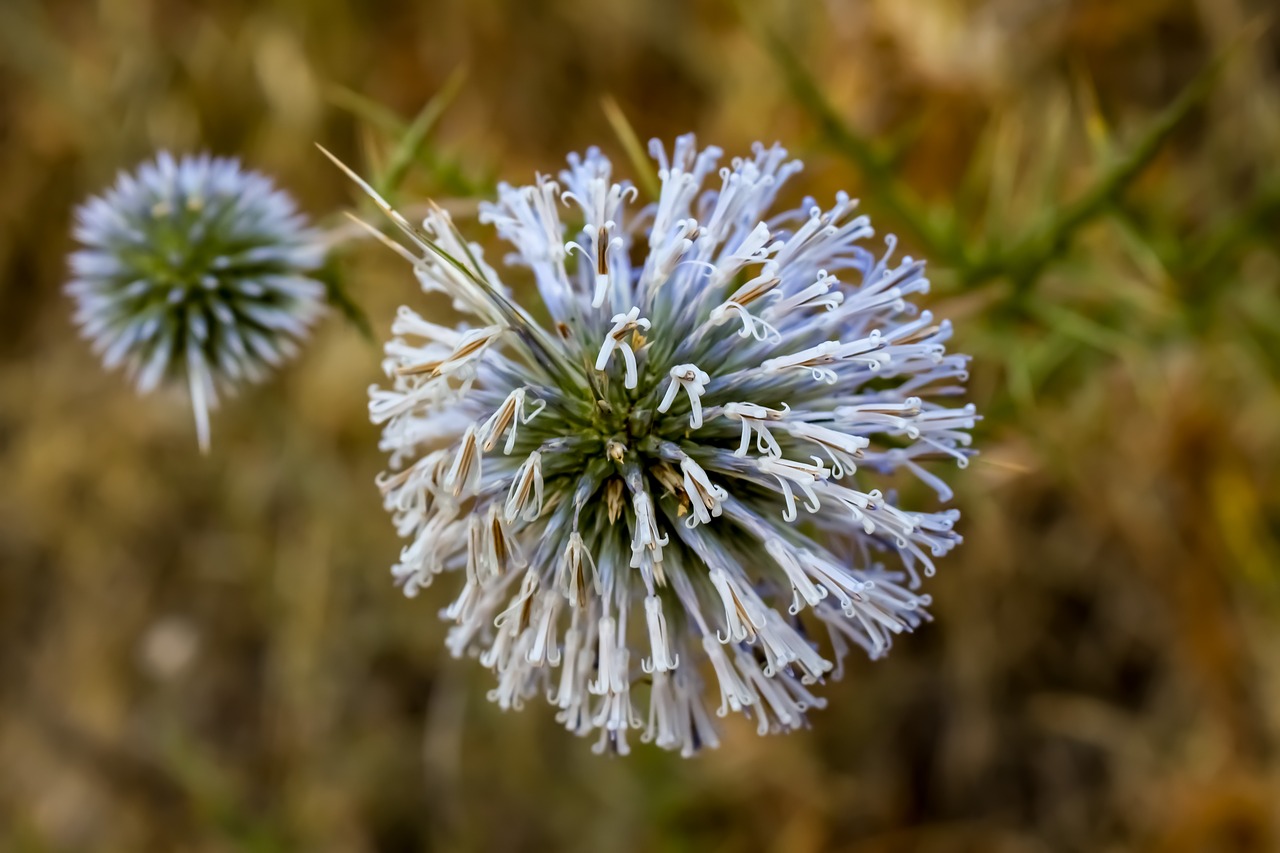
[665, 471]
[195, 270]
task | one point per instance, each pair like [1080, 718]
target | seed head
[194, 270]
[666, 489]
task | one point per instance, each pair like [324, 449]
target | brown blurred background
[207, 654]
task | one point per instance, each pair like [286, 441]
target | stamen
[544, 649]
[801, 474]
[609, 675]
[602, 266]
[734, 692]
[784, 646]
[502, 549]
[801, 585]
[752, 326]
[509, 414]
[516, 616]
[647, 540]
[614, 714]
[602, 244]
[694, 382]
[705, 498]
[464, 607]
[571, 692]
[815, 295]
[471, 346]
[831, 352]
[463, 478]
[623, 324]
[571, 572]
[662, 659]
[526, 484]
[753, 417]
[743, 612]
[841, 447]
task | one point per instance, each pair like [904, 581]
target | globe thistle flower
[658, 482]
[194, 269]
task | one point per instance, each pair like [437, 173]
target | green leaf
[367, 109]
[414, 138]
[1036, 249]
[1080, 327]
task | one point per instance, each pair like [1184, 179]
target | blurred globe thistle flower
[195, 269]
[669, 485]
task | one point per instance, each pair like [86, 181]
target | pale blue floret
[194, 270]
[672, 477]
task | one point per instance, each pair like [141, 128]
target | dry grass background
[206, 653]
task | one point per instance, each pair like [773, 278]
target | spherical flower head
[658, 481]
[194, 270]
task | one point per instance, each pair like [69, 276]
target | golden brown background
[207, 654]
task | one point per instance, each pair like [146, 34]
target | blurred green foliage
[207, 654]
